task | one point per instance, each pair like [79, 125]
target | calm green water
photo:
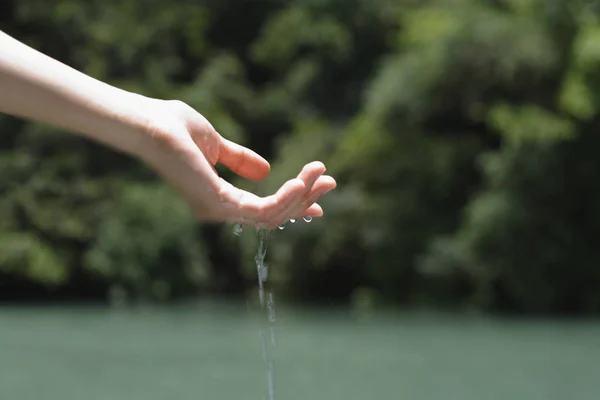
[213, 352]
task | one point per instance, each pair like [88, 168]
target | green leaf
[519, 124]
[27, 255]
[576, 98]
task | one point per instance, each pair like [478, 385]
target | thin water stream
[267, 303]
[263, 272]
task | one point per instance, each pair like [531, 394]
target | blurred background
[456, 258]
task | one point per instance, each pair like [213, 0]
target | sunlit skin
[178, 142]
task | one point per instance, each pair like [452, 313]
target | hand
[183, 147]
[170, 136]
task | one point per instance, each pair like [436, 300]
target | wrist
[128, 125]
[152, 129]
[123, 120]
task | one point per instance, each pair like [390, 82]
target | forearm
[37, 87]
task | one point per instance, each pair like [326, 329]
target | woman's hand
[183, 147]
[179, 143]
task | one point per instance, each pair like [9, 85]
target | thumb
[242, 160]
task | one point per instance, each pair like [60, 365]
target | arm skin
[178, 142]
[37, 87]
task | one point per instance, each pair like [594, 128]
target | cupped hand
[183, 147]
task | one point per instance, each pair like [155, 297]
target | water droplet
[281, 227]
[237, 229]
[307, 219]
[292, 220]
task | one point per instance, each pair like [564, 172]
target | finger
[309, 175]
[242, 160]
[247, 208]
[314, 211]
[282, 200]
[324, 185]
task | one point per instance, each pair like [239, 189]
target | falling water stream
[263, 272]
[267, 333]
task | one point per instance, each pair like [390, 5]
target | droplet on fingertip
[307, 219]
[292, 220]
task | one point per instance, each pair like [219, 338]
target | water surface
[214, 352]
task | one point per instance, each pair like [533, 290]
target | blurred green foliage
[462, 135]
